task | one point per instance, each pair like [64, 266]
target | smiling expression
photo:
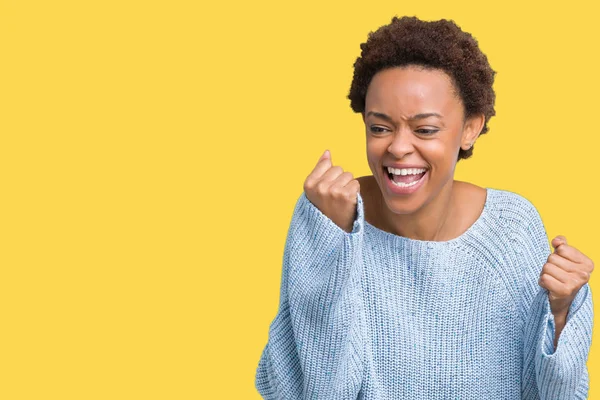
[415, 118]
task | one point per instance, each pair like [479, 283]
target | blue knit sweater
[373, 315]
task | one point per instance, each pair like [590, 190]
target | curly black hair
[429, 44]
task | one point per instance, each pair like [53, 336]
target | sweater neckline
[470, 232]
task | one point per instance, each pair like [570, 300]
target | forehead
[410, 90]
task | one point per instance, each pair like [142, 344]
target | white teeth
[406, 171]
[402, 184]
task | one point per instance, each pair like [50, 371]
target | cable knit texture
[373, 315]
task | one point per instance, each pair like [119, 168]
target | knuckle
[548, 268]
[308, 184]
[583, 275]
[322, 188]
[336, 191]
[545, 268]
[350, 195]
[354, 188]
[337, 169]
[570, 289]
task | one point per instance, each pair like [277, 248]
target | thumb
[326, 155]
[559, 240]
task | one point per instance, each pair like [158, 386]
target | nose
[402, 143]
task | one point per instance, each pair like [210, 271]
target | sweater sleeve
[551, 373]
[315, 342]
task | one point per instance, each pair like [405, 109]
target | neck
[429, 222]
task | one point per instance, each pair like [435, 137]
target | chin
[402, 207]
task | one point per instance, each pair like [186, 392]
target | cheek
[440, 152]
[372, 161]
[375, 151]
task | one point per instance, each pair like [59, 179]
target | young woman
[408, 284]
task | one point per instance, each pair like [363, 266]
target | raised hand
[565, 272]
[333, 192]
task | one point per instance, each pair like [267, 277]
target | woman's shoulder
[504, 212]
[512, 206]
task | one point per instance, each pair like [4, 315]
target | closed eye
[377, 129]
[427, 131]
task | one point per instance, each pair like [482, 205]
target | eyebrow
[411, 118]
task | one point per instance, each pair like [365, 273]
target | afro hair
[429, 44]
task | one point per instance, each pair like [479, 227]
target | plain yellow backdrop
[151, 154]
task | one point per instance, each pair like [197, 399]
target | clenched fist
[333, 192]
[565, 272]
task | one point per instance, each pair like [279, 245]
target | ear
[471, 130]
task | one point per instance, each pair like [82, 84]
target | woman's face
[414, 119]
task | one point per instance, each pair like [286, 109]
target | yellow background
[152, 152]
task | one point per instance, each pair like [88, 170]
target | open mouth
[405, 177]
